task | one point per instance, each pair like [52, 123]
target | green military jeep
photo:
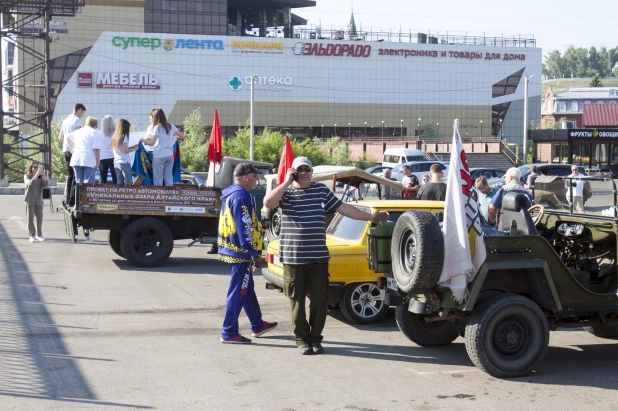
[553, 268]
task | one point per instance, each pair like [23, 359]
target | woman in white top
[122, 152]
[163, 141]
[106, 155]
[85, 157]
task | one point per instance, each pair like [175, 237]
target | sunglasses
[35, 166]
[304, 169]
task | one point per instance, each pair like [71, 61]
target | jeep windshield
[349, 229]
[582, 195]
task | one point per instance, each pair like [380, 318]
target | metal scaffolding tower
[34, 112]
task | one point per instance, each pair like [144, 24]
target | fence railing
[513, 156]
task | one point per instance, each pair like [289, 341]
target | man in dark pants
[70, 124]
[240, 245]
[302, 248]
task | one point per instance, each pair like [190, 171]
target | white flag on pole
[463, 238]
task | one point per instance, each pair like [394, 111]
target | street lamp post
[401, 132]
[335, 129]
[322, 131]
[526, 81]
[251, 138]
[501, 133]
[365, 129]
[481, 135]
[382, 129]
[419, 127]
[349, 133]
[438, 132]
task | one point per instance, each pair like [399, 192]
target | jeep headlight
[576, 230]
[568, 230]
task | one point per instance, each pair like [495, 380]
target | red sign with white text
[84, 79]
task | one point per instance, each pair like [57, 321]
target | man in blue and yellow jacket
[240, 245]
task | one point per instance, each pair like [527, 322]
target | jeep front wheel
[507, 335]
[421, 332]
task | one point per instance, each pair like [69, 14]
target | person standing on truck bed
[163, 155]
[70, 124]
[122, 151]
[106, 155]
[240, 245]
[304, 205]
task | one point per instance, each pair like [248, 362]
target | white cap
[301, 161]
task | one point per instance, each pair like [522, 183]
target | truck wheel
[417, 248]
[362, 303]
[507, 335]
[609, 331]
[147, 242]
[274, 227]
[113, 238]
[421, 332]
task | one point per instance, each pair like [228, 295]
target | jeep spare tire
[417, 250]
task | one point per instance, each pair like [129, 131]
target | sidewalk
[19, 189]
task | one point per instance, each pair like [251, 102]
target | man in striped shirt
[302, 248]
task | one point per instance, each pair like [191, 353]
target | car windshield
[586, 195]
[349, 229]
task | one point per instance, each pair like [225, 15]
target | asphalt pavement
[81, 329]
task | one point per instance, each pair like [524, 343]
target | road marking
[19, 221]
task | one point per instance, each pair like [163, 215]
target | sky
[555, 25]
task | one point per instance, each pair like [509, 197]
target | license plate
[277, 260]
[391, 284]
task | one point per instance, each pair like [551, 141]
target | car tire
[362, 304]
[113, 238]
[274, 226]
[507, 336]
[417, 248]
[608, 331]
[147, 242]
[420, 332]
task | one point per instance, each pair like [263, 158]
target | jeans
[33, 211]
[162, 171]
[124, 174]
[241, 295]
[298, 281]
[105, 166]
[83, 174]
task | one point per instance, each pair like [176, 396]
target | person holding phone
[304, 205]
[122, 152]
[35, 179]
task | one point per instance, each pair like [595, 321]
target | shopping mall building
[308, 81]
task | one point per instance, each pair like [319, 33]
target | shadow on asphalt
[181, 265]
[35, 362]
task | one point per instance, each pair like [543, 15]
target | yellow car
[352, 284]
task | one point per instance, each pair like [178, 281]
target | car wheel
[113, 238]
[362, 303]
[417, 248]
[147, 242]
[609, 331]
[421, 332]
[507, 335]
[274, 227]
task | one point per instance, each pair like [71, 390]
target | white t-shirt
[69, 125]
[165, 142]
[579, 188]
[120, 157]
[84, 142]
[105, 144]
[150, 134]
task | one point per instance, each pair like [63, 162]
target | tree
[194, 149]
[596, 82]
[59, 164]
[428, 132]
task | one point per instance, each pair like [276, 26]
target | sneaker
[305, 349]
[31, 239]
[317, 348]
[89, 238]
[40, 238]
[239, 339]
[266, 328]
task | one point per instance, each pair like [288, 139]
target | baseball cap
[242, 169]
[301, 161]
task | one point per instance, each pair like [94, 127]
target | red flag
[287, 158]
[214, 148]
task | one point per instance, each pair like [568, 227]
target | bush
[194, 149]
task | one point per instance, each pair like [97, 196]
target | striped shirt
[303, 226]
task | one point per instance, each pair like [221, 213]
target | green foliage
[59, 164]
[15, 167]
[367, 160]
[194, 149]
[596, 82]
[580, 62]
[428, 132]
